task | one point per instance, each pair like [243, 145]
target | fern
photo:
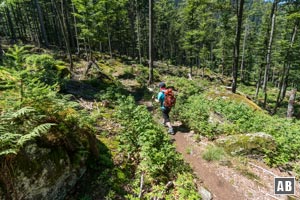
[20, 126]
[8, 151]
[23, 111]
[37, 131]
[41, 129]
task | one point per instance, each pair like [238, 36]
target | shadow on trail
[180, 127]
[93, 89]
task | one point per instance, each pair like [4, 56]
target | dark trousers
[165, 113]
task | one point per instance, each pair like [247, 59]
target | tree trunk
[75, 26]
[11, 26]
[68, 27]
[243, 53]
[41, 20]
[150, 81]
[240, 8]
[23, 24]
[109, 41]
[1, 50]
[60, 19]
[258, 84]
[17, 22]
[269, 48]
[284, 78]
[138, 32]
[290, 110]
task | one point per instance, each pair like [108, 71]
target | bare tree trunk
[23, 24]
[109, 41]
[269, 49]
[240, 7]
[290, 110]
[138, 32]
[258, 84]
[41, 20]
[75, 26]
[66, 36]
[1, 50]
[243, 54]
[10, 24]
[150, 81]
[61, 22]
[67, 20]
[286, 69]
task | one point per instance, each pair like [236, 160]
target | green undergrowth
[145, 144]
[219, 114]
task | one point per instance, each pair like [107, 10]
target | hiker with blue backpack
[167, 100]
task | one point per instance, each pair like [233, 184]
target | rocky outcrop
[246, 144]
[41, 171]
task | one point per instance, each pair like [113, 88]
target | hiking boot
[171, 131]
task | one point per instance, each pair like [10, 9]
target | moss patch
[246, 144]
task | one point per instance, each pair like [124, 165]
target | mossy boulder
[46, 169]
[247, 144]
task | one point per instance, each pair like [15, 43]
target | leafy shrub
[185, 186]
[146, 144]
[142, 75]
[195, 113]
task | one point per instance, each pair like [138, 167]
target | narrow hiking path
[217, 185]
[228, 179]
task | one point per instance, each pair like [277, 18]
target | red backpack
[170, 99]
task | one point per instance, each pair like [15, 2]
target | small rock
[205, 194]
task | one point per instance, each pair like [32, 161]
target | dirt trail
[218, 186]
[252, 180]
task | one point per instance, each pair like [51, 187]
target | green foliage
[143, 73]
[27, 81]
[19, 127]
[111, 93]
[46, 68]
[195, 113]
[146, 144]
[185, 186]
[211, 116]
[238, 117]
[213, 153]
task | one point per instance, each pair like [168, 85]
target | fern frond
[8, 151]
[9, 139]
[37, 131]
[23, 111]
[2, 129]
[42, 128]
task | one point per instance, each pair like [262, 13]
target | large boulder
[246, 144]
[43, 171]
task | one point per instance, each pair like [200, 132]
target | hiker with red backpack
[167, 100]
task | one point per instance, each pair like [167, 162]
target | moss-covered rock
[246, 144]
[44, 171]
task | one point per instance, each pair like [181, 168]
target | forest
[77, 81]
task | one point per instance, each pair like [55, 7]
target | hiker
[166, 99]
